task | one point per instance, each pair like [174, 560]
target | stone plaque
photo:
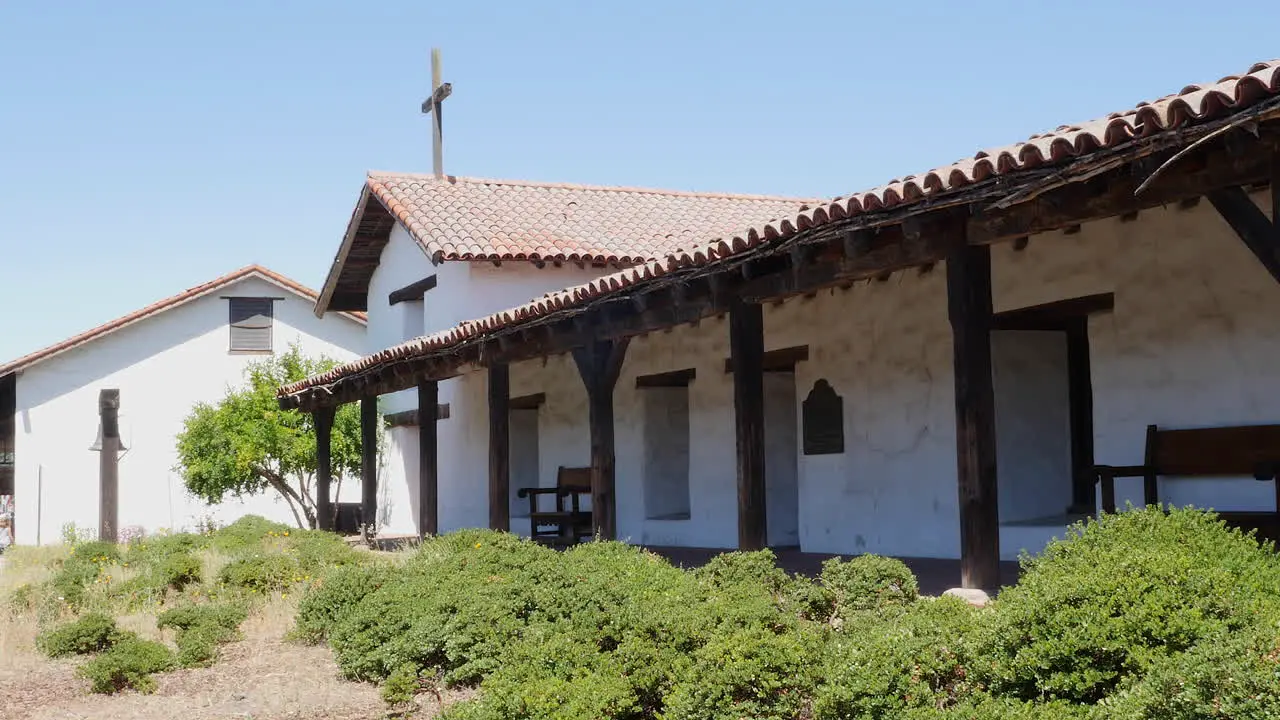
[823, 420]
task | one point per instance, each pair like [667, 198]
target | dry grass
[262, 676]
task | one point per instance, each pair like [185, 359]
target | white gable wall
[464, 291]
[1191, 342]
[162, 366]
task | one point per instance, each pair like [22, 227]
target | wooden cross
[431, 106]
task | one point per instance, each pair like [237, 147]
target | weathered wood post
[428, 468]
[746, 349]
[599, 364]
[969, 310]
[499, 446]
[369, 466]
[323, 418]
[109, 465]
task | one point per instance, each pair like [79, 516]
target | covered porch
[955, 217]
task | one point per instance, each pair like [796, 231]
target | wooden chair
[1239, 450]
[567, 523]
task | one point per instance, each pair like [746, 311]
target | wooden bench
[1240, 450]
[567, 523]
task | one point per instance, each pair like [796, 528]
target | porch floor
[935, 575]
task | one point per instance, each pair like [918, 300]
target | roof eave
[340, 259]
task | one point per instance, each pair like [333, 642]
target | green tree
[245, 444]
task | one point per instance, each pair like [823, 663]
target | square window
[251, 320]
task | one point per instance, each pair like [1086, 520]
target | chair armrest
[1115, 471]
[535, 491]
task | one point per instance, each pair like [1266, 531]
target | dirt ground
[261, 677]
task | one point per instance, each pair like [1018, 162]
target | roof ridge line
[372, 174]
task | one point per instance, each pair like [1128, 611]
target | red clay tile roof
[476, 219]
[1192, 105]
[169, 303]
[458, 218]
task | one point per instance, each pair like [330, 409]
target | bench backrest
[1236, 450]
[574, 478]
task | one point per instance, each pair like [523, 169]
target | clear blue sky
[149, 146]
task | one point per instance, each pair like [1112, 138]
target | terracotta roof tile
[168, 303]
[457, 218]
[1193, 104]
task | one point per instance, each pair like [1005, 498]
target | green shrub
[889, 663]
[455, 606]
[986, 707]
[149, 551]
[201, 629]
[750, 673]
[317, 551]
[401, 686]
[334, 597]
[1233, 677]
[94, 632]
[246, 534]
[1120, 595]
[78, 571]
[178, 570]
[868, 582]
[260, 573]
[128, 664]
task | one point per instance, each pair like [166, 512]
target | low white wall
[162, 366]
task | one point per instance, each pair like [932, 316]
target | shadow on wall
[128, 346]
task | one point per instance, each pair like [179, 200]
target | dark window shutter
[251, 324]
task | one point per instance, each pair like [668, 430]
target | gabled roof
[458, 218]
[1193, 105]
[251, 271]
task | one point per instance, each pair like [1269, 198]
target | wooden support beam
[1059, 315]
[1252, 226]
[675, 378]
[428, 460]
[599, 364]
[527, 402]
[969, 310]
[780, 360]
[1113, 193]
[746, 347]
[500, 446]
[323, 419]
[891, 251]
[369, 465]
[412, 291]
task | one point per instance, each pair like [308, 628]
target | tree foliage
[245, 444]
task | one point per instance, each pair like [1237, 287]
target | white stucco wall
[1191, 342]
[464, 291]
[162, 366]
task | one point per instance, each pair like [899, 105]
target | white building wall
[1191, 342]
[162, 366]
[464, 291]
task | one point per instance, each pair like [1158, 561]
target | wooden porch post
[323, 418]
[428, 414]
[499, 447]
[746, 348]
[369, 465]
[969, 309]
[599, 364]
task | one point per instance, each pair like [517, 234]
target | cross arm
[437, 96]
